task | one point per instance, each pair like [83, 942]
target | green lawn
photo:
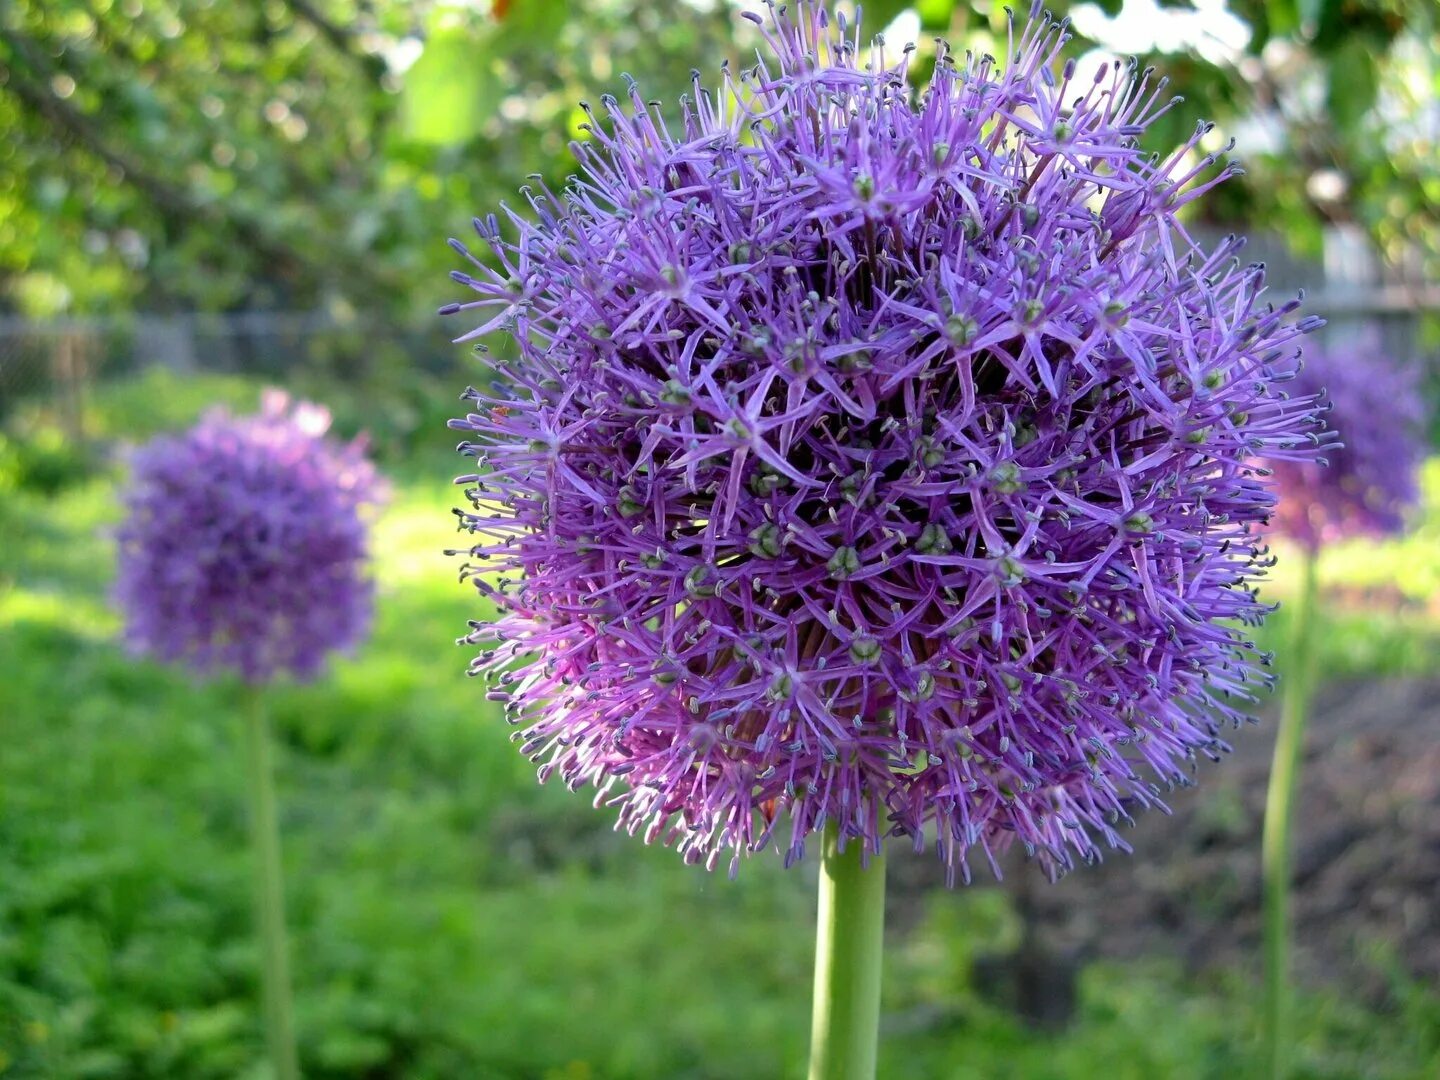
[450, 918]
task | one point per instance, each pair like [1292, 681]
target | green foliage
[454, 87]
[304, 154]
[1321, 87]
[45, 448]
[45, 462]
[152, 403]
[190, 154]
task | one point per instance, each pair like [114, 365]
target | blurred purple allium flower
[876, 459]
[1373, 479]
[244, 544]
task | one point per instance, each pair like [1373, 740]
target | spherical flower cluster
[1372, 480]
[245, 545]
[875, 458]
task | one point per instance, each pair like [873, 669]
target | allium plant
[244, 545]
[1373, 480]
[876, 458]
[245, 548]
[1365, 489]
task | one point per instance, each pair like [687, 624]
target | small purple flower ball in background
[876, 458]
[1373, 479]
[245, 545]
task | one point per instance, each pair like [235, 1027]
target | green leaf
[452, 89]
[935, 14]
[535, 20]
[1284, 16]
[1343, 23]
[1354, 81]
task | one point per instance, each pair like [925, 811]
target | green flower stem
[269, 892]
[849, 939]
[1279, 817]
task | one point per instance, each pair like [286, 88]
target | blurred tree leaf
[195, 155]
[935, 14]
[453, 87]
[1354, 81]
[1377, 22]
[297, 153]
[1283, 16]
[536, 20]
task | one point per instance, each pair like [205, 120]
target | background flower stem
[1279, 816]
[269, 890]
[849, 937]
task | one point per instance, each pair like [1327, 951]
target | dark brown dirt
[1366, 857]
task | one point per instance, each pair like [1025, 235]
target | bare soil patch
[1367, 858]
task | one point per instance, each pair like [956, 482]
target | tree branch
[169, 197]
[342, 40]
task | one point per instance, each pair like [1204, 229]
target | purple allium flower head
[244, 544]
[1373, 479]
[875, 458]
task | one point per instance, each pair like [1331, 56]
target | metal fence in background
[64, 360]
[1357, 293]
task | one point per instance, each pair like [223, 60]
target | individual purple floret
[876, 458]
[244, 544]
[1370, 482]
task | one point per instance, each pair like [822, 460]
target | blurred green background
[199, 198]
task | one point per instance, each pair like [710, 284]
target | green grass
[451, 918]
